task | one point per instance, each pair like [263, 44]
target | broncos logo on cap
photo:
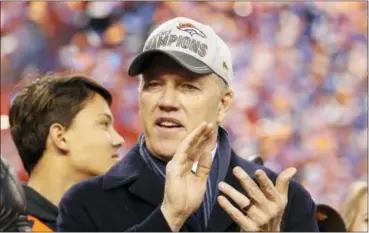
[191, 29]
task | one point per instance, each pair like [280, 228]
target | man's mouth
[168, 123]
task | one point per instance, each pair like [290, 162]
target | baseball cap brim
[186, 61]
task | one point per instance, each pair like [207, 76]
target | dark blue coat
[128, 198]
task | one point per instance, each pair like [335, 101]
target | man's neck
[52, 177]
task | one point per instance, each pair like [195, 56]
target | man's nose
[168, 100]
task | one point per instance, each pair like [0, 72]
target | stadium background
[300, 74]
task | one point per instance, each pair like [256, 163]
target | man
[183, 175]
[63, 129]
[12, 201]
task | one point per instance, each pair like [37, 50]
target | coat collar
[132, 170]
[126, 170]
[219, 219]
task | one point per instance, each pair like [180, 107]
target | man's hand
[264, 211]
[185, 190]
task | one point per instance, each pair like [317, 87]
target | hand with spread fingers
[185, 190]
[263, 210]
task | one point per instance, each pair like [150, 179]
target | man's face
[174, 101]
[92, 140]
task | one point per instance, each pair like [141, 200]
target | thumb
[283, 180]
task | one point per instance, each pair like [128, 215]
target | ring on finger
[246, 208]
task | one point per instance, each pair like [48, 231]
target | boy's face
[92, 140]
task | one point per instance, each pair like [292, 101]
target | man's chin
[165, 150]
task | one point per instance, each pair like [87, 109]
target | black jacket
[40, 208]
[128, 198]
[12, 201]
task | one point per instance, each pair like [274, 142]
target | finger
[240, 199]
[283, 180]
[258, 216]
[249, 186]
[199, 138]
[204, 165]
[213, 136]
[181, 155]
[194, 150]
[205, 160]
[197, 149]
[254, 213]
[266, 185]
[243, 221]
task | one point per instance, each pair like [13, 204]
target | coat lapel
[149, 187]
[133, 171]
[219, 219]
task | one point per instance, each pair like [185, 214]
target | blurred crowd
[300, 74]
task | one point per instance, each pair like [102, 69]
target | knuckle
[269, 189]
[204, 171]
[237, 217]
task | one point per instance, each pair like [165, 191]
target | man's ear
[225, 103]
[57, 137]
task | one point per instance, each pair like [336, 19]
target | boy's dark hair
[52, 98]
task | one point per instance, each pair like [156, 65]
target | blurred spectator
[300, 73]
[329, 220]
[355, 210]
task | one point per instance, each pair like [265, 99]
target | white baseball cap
[193, 45]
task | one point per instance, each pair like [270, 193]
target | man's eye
[152, 84]
[189, 87]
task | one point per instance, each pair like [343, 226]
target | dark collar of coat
[133, 171]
